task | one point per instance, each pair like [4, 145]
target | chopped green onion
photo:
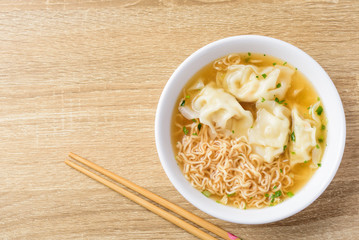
[263, 99]
[218, 202]
[284, 147]
[296, 69]
[274, 187]
[318, 98]
[319, 164]
[293, 153]
[195, 134]
[277, 194]
[274, 64]
[323, 127]
[232, 131]
[308, 108]
[285, 104]
[317, 146]
[257, 76]
[264, 75]
[199, 126]
[284, 63]
[249, 54]
[292, 136]
[279, 85]
[185, 130]
[206, 193]
[183, 102]
[245, 206]
[290, 194]
[230, 195]
[281, 170]
[277, 100]
[264, 55]
[320, 140]
[194, 120]
[187, 96]
[319, 110]
[266, 195]
[305, 161]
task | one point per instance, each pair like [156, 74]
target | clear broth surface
[301, 94]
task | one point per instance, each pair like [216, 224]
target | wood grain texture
[85, 76]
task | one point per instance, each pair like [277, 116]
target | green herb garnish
[185, 130]
[305, 161]
[317, 146]
[264, 55]
[281, 170]
[323, 127]
[274, 187]
[187, 96]
[319, 164]
[230, 195]
[206, 193]
[279, 85]
[284, 63]
[274, 64]
[264, 75]
[318, 98]
[292, 136]
[308, 108]
[232, 131]
[183, 102]
[266, 195]
[195, 134]
[319, 110]
[284, 147]
[296, 69]
[277, 100]
[249, 54]
[293, 153]
[257, 76]
[199, 126]
[290, 194]
[263, 99]
[277, 194]
[320, 140]
[194, 120]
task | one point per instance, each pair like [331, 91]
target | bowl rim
[336, 128]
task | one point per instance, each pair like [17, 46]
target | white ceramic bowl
[329, 97]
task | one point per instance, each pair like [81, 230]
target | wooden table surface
[86, 76]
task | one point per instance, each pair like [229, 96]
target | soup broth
[300, 95]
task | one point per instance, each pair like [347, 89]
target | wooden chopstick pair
[153, 208]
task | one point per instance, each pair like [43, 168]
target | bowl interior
[324, 87]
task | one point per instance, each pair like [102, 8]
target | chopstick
[165, 203]
[166, 215]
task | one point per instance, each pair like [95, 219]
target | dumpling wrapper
[270, 130]
[302, 149]
[242, 82]
[215, 107]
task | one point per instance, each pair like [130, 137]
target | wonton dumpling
[215, 107]
[305, 141]
[270, 130]
[242, 82]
